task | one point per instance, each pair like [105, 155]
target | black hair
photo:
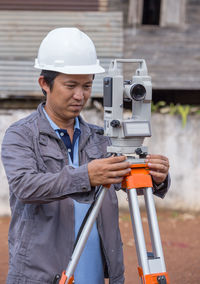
[49, 77]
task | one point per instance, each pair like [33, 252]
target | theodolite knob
[140, 153]
[115, 123]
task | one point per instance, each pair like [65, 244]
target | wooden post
[135, 12]
[172, 13]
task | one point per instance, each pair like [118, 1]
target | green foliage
[172, 109]
[157, 106]
[183, 111]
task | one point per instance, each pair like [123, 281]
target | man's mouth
[76, 107]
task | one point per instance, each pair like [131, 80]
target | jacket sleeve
[31, 185]
[162, 189]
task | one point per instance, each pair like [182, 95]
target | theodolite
[127, 135]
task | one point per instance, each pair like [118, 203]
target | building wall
[169, 138]
[192, 12]
[171, 49]
[21, 33]
[50, 5]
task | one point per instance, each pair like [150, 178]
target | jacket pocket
[53, 160]
[94, 152]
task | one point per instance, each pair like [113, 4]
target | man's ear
[43, 84]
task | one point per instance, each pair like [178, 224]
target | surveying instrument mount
[127, 136]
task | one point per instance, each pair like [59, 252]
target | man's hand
[108, 171]
[159, 167]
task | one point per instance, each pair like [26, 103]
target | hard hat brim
[85, 69]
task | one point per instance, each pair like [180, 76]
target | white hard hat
[68, 51]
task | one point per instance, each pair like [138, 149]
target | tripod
[151, 268]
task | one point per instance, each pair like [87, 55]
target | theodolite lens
[138, 92]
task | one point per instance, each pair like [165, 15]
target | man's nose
[78, 94]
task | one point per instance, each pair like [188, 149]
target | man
[55, 162]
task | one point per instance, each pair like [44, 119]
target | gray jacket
[42, 189]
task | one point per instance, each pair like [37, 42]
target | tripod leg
[138, 230]
[151, 265]
[68, 274]
[153, 227]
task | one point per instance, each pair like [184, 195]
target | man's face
[68, 95]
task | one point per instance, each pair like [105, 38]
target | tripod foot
[62, 279]
[162, 279]
[155, 278]
[56, 279]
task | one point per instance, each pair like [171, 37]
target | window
[151, 12]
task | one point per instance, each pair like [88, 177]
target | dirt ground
[180, 234]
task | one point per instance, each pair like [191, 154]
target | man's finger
[156, 156]
[121, 173]
[157, 176]
[158, 162]
[115, 159]
[119, 166]
[158, 167]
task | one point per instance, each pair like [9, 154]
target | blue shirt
[90, 265]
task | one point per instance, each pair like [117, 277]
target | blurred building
[164, 32]
[167, 34]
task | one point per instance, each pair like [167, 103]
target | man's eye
[70, 86]
[87, 86]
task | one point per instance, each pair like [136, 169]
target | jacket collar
[43, 123]
[85, 133]
[45, 127]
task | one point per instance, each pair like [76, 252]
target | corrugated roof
[21, 33]
[49, 5]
